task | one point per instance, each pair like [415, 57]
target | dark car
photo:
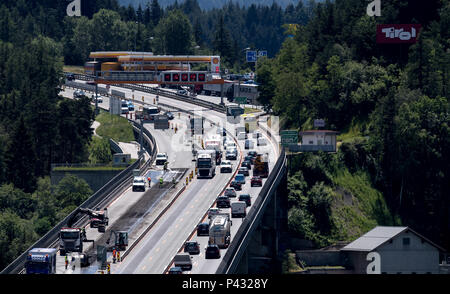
[223, 202]
[169, 115]
[236, 185]
[70, 77]
[249, 159]
[243, 171]
[246, 198]
[203, 229]
[256, 181]
[247, 164]
[212, 251]
[192, 247]
[176, 270]
[252, 153]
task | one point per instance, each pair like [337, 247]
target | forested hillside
[390, 103]
[211, 4]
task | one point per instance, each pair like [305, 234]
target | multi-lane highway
[154, 252]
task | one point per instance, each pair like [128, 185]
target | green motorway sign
[289, 137]
[240, 100]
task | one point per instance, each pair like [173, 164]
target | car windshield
[139, 181]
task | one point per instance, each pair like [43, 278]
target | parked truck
[41, 261]
[206, 163]
[219, 230]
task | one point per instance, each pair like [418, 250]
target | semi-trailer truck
[206, 163]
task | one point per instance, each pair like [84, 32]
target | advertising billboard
[397, 33]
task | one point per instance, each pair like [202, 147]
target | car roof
[244, 195]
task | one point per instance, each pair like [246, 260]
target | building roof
[318, 131]
[378, 236]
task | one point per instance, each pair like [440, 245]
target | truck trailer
[219, 230]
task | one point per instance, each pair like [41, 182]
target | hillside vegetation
[390, 105]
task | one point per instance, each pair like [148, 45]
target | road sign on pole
[251, 56]
[289, 137]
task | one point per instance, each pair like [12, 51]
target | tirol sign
[397, 33]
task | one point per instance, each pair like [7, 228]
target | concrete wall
[319, 258]
[95, 179]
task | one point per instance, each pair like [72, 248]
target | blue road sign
[251, 56]
[262, 53]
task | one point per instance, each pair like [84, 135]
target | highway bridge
[171, 215]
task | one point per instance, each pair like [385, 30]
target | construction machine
[120, 240]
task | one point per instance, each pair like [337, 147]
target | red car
[256, 181]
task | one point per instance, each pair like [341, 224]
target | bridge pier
[263, 254]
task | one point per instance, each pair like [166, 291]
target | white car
[226, 166]
[138, 184]
[230, 145]
[161, 158]
[213, 211]
[231, 153]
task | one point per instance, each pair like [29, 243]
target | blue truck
[41, 261]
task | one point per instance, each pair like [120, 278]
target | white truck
[238, 209]
[219, 230]
[161, 158]
[206, 163]
[138, 184]
[214, 144]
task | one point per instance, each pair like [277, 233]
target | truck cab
[206, 163]
[161, 158]
[41, 261]
[139, 184]
[70, 240]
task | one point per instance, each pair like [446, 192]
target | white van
[242, 136]
[238, 209]
[261, 142]
[124, 107]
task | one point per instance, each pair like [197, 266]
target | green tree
[174, 34]
[72, 191]
[99, 151]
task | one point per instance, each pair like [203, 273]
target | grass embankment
[248, 110]
[115, 127]
[357, 207]
[74, 69]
